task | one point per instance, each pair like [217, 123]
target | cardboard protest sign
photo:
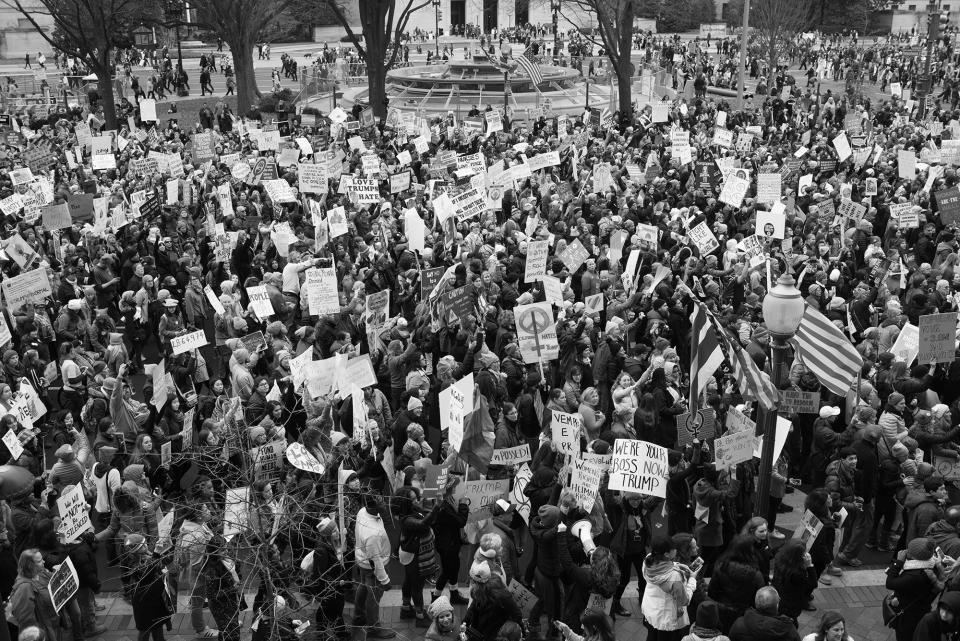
[907, 345]
[808, 529]
[585, 482]
[28, 287]
[456, 401]
[799, 402]
[511, 455]
[700, 425]
[538, 252]
[188, 342]
[536, 332]
[260, 301]
[523, 597]
[702, 236]
[639, 466]
[574, 255]
[74, 513]
[13, 445]
[480, 496]
[938, 334]
[734, 448]
[565, 432]
[770, 224]
[948, 203]
[63, 584]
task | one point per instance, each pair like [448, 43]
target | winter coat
[733, 586]
[945, 537]
[923, 510]
[30, 604]
[710, 532]
[914, 589]
[547, 541]
[793, 590]
[149, 600]
[893, 426]
[446, 529]
[508, 548]
[756, 626]
[503, 608]
[666, 595]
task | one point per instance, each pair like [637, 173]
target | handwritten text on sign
[937, 338]
[566, 432]
[638, 466]
[187, 342]
[74, 516]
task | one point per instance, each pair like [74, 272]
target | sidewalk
[858, 601]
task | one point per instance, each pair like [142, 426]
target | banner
[640, 467]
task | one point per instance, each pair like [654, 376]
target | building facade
[18, 37]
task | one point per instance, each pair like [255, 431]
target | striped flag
[826, 352]
[706, 352]
[753, 383]
[525, 61]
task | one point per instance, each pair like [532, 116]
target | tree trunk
[105, 87]
[377, 90]
[625, 90]
[247, 92]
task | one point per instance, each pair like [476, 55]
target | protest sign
[260, 302]
[769, 188]
[593, 304]
[63, 584]
[907, 345]
[574, 255]
[948, 203]
[56, 216]
[733, 448]
[701, 425]
[480, 496]
[523, 597]
[734, 190]
[74, 513]
[13, 445]
[702, 236]
[366, 190]
[511, 455]
[456, 401]
[782, 430]
[235, 511]
[187, 342]
[517, 496]
[808, 529]
[322, 297]
[937, 342]
[536, 332]
[638, 466]
[28, 287]
[842, 146]
[537, 254]
[585, 482]
[268, 460]
[565, 432]
[799, 402]
[312, 178]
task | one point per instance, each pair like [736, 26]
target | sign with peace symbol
[536, 332]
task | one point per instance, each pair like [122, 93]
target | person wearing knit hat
[414, 403]
[443, 626]
[707, 625]
[920, 549]
[67, 470]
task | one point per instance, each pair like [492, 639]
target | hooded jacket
[945, 537]
[923, 510]
[932, 627]
[757, 626]
[667, 593]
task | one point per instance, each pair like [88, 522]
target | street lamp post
[436, 25]
[782, 312]
[743, 51]
[506, 50]
[555, 6]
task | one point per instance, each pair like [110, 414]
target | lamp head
[783, 307]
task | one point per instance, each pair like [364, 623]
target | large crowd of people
[280, 367]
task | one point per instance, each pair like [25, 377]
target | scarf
[667, 576]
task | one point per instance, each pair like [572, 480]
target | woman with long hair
[757, 529]
[646, 420]
[736, 579]
[596, 625]
[669, 588]
[593, 582]
[30, 603]
[491, 604]
[833, 627]
[794, 577]
[417, 554]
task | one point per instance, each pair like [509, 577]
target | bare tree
[614, 20]
[776, 23]
[241, 23]
[382, 24]
[91, 30]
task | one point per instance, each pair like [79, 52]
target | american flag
[705, 348]
[826, 352]
[525, 61]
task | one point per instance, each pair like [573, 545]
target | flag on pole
[705, 348]
[826, 352]
[753, 383]
[476, 449]
[525, 60]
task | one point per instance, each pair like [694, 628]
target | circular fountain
[460, 85]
